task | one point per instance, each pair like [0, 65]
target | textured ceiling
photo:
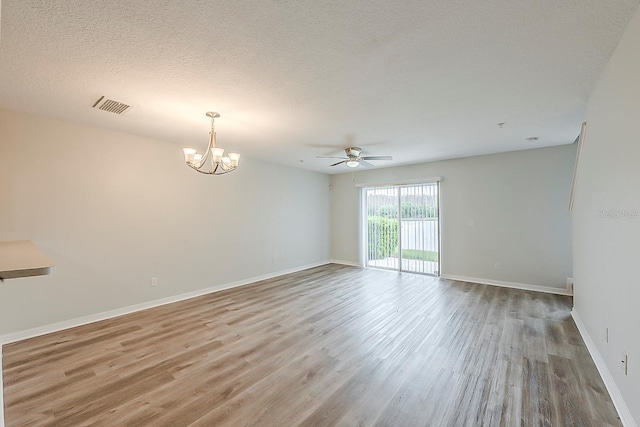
[416, 79]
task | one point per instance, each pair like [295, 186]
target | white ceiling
[416, 79]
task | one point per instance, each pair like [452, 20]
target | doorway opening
[402, 228]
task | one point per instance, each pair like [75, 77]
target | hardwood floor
[333, 345]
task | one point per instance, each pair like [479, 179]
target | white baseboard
[71, 323]
[609, 382]
[569, 284]
[515, 285]
[350, 263]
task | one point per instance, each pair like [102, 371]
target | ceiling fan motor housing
[353, 151]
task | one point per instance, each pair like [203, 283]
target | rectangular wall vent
[111, 106]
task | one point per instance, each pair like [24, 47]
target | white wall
[113, 210]
[606, 249]
[518, 201]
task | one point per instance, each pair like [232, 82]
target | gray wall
[606, 248]
[518, 201]
[113, 210]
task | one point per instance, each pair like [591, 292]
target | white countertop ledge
[21, 258]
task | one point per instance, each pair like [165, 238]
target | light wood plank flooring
[333, 345]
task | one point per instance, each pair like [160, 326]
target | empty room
[299, 213]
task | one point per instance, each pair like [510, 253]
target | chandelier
[212, 161]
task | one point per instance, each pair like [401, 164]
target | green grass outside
[419, 255]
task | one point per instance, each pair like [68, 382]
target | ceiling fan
[354, 159]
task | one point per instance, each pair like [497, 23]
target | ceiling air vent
[111, 106]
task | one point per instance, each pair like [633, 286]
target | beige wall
[113, 210]
[606, 248]
[518, 201]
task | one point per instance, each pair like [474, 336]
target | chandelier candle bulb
[235, 159]
[188, 154]
[217, 154]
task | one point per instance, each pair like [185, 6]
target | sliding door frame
[364, 256]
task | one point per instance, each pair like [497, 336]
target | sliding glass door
[402, 228]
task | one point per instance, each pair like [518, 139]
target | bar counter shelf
[21, 258]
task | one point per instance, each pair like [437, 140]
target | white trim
[569, 284]
[349, 263]
[607, 378]
[515, 285]
[72, 323]
[428, 180]
[576, 166]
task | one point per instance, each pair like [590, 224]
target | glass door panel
[419, 231]
[382, 227]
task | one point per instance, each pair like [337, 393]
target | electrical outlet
[154, 282]
[497, 266]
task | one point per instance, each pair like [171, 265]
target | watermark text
[619, 213]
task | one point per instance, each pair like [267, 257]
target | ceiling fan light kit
[354, 159]
[212, 161]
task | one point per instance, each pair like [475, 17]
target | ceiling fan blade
[330, 157]
[366, 164]
[335, 164]
[377, 158]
